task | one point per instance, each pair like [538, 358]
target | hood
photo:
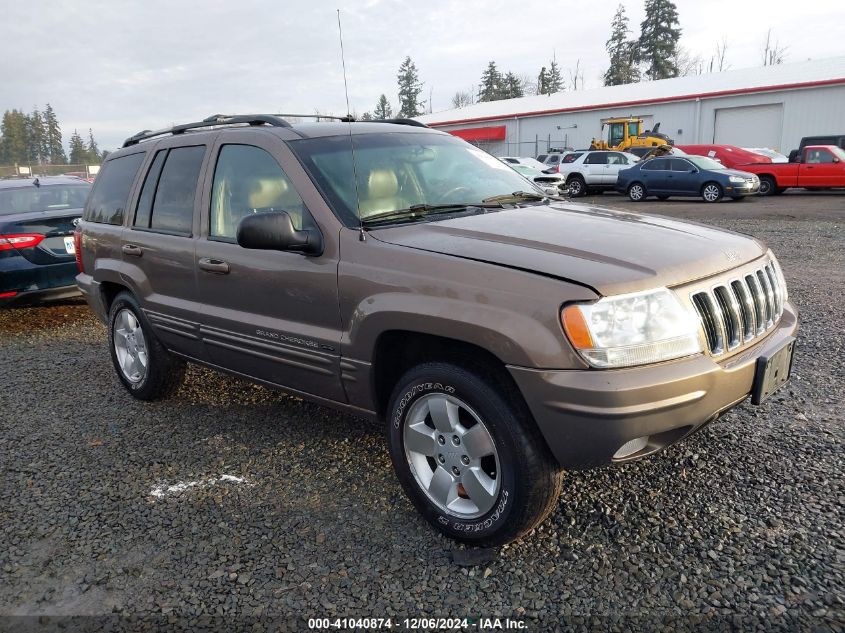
[612, 252]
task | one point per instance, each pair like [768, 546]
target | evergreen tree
[512, 87]
[366, 116]
[491, 84]
[543, 82]
[660, 32]
[37, 146]
[78, 153]
[410, 88]
[383, 110]
[14, 142]
[55, 151]
[622, 52]
[554, 80]
[92, 151]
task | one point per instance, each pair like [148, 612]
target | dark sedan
[37, 251]
[685, 176]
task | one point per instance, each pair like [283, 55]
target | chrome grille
[740, 310]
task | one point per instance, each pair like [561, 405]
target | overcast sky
[119, 66]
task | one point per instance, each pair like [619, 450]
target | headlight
[737, 179]
[632, 329]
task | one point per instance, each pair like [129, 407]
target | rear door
[596, 169]
[655, 174]
[158, 247]
[271, 315]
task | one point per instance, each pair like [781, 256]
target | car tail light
[8, 295]
[19, 240]
[77, 249]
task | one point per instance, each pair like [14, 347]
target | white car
[551, 184]
[528, 162]
[776, 157]
[595, 171]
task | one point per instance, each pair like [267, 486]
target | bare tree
[717, 62]
[576, 76]
[773, 52]
[688, 63]
[463, 98]
[529, 85]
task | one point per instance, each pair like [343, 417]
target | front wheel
[143, 365]
[767, 186]
[469, 456]
[636, 192]
[712, 192]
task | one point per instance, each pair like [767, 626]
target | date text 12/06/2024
[419, 624]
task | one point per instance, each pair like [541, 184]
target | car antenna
[361, 235]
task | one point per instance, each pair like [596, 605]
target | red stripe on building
[620, 104]
[491, 133]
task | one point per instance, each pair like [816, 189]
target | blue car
[685, 176]
[37, 250]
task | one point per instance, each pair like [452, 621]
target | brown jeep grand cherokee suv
[397, 272]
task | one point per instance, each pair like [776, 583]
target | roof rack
[213, 120]
[344, 119]
[411, 122]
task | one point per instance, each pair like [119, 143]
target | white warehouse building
[772, 106]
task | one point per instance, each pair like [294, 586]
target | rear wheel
[577, 186]
[636, 192]
[146, 369]
[469, 456]
[767, 186]
[712, 192]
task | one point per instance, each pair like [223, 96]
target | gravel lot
[234, 499]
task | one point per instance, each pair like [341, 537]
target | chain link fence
[35, 169]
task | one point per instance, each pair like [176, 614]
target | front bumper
[742, 189]
[586, 416]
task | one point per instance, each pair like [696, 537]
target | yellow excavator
[623, 133]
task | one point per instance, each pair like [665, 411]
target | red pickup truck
[818, 167]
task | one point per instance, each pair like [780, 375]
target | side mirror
[275, 231]
[835, 160]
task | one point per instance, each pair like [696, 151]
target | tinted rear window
[44, 198]
[571, 158]
[110, 196]
[173, 209]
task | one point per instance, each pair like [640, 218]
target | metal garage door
[751, 126]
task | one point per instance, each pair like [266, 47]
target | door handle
[131, 249]
[214, 266]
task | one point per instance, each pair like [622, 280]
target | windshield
[702, 162]
[838, 152]
[401, 170]
[44, 198]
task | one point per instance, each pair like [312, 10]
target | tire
[768, 186]
[712, 192]
[577, 186]
[143, 365]
[662, 197]
[637, 192]
[499, 490]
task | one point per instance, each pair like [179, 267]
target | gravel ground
[231, 499]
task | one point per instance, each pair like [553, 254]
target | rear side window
[596, 158]
[110, 196]
[171, 183]
[656, 164]
[571, 158]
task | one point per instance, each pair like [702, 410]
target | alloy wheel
[711, 193]
[452, 455]
[130, 346]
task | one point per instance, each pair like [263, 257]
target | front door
[268, 314]
[683, 179]
[821, 169]
[595, 168]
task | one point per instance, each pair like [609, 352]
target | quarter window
[249, 180]
[110, 196]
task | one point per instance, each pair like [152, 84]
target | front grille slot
[737, 312]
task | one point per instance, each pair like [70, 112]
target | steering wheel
[455, 190]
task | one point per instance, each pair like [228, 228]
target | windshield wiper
[422, 210]
[516, 196]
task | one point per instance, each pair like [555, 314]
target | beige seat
[381, 193]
